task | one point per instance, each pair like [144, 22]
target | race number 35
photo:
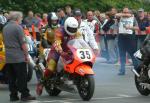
[84, 54]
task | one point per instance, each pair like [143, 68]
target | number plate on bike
[84, 54]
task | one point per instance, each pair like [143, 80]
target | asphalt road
[110, 88]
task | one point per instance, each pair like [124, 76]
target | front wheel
[142, 79]
[86, 87]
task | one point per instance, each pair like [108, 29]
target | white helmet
[71, 26]
[3, 19]
[54, 16]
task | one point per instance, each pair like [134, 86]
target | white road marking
[67, 100]
[123, 95]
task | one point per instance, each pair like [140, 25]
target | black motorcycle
[142, 79]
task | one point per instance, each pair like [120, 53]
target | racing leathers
[59, 47]
[47, 37]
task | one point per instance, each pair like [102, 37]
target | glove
[66, 56]
[63, 54]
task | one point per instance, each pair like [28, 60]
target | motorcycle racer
[59, 47]
[48, 31]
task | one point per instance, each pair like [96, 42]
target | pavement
[109, 88]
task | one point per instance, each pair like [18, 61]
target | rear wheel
[52, 91]
[86, 87]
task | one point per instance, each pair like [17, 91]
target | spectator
[103, 43]
[32, 24]
[148, 17]
[113, 11]
[126, 39]
[44, 20]
[6, 15]
[148, 28]
[30, 19]
[62, 16]
[16, 58]
[93, 24]
[145, 14]
[110, 31]
[142, 23]
[39, 20]
[97, 17]
[68, 11]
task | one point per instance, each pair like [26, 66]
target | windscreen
[78, 44]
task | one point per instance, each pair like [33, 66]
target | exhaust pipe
[70, 88]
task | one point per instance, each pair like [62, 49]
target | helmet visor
[54, 22]
[72, 30]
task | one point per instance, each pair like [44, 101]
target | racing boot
[40, 84]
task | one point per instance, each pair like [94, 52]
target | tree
[51, 5]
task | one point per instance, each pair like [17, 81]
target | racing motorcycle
[142, 79]
[75, 74]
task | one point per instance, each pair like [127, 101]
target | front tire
[141, 89]
[86, 87]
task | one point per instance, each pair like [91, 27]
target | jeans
[112, 48]
[17, 74]
[127, 44]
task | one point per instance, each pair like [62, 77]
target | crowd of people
[113, 35]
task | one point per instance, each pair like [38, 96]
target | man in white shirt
[86, 32]
[92, 23]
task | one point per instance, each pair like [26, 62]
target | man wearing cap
[142, 23]
[86, 32]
